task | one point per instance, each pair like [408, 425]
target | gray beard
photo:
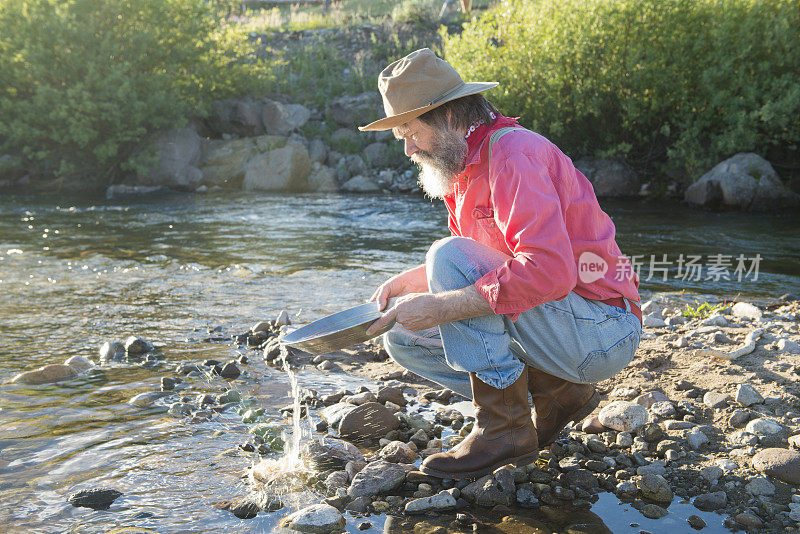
[439, 167]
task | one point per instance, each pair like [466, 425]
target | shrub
[670, 84]
[85, 80]
[419, 12]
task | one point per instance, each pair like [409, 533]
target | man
[530, 293]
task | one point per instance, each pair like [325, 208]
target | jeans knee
[442, 262]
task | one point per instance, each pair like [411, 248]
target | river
[76, 272]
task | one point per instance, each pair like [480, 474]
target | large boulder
[322, 179]
[178, 156]
[745, 181]
[355, 110]
[360, 184]
[47, 374]
[610, 178]
[240, 117]
[283, 119]
[282, 169]
[224, 162]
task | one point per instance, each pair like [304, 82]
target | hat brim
[387, 123]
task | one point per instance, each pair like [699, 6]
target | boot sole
[577, 416]
[523, 459]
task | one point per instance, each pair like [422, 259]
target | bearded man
[530, 293]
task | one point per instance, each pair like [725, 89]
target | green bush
[673, 85]
[420, 12]
[83, 81]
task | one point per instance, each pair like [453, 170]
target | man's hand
[412, 281]
[418, 311]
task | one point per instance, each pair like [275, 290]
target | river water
[76, 272]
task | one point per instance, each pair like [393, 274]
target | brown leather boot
[503, 433]
[557, 402]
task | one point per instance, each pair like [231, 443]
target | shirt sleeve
[528, 213]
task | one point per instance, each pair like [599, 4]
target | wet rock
[746, 310]
[368, 421]
[47, 374]
[334, 413]
[448, 416]
[763, 427]
[328, 453]
[97, 499]
[486, 492]
[760, 486]
[653, 511]
[711, 501]
[398, 452]
[145, 400]
[377, 477]
[185, 368]
[359, 505]
[746, 395]
[112, 351]
[315, 519]
[241, 507]
[229, 396]
[526, 496]
[581, 478]
[361, 398]
[748, 520]
[696, 438]
[179, 409]
[716, 400]
[229, 370]
[442, 501]
[336, 480]
[134, 346]
[416, 422]
[169, 383]
[696, 522]
[655, 488]
[623, 416]
[393, 394]
[79, 363]
[783, 464]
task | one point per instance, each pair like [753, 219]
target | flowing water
[76, 272]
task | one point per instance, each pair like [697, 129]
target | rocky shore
[707, 413]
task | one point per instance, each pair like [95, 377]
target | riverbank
[681, 424]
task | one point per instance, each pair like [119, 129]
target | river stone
[361, 398]
[651, 321]
[711, 474]
[486, 492]
[581, 478]
[97, 499]
[79, 363]
[241, 507]
[333, 414]
[377, 477]
[743, 438]
[747, 310]
[623, 416]
[787, 345]
[663, 409]
[416, 422]
[760, 486]
[653, 511]
[794, 441]
[392, 394]
[716, 400]
[281, 169]
[315, 519]
[783, 464]
[696, 438]
[744, 181]
[360, 184]
[146, 399]
[135, 346]
[711, 501]
[47, 374]
[443, 500]
[763, 427]
[111, 351]
[368, 421]
[739, 418]
[328, 453]
[748, 520]
[654, 487]
[398, 452]
[746, 395]
[336, 480]
[179, 409]
[229, 370]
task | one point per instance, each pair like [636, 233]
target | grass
[702, 310]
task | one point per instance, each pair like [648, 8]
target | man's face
[440, 155]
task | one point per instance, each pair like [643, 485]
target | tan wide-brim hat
[418, 83]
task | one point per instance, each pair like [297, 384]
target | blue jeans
[576, 339]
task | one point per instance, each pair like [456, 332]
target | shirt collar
[477, 134]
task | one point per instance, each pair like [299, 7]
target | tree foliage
[83, 81]
[674, 85]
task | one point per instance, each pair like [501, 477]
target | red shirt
[531, 203]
